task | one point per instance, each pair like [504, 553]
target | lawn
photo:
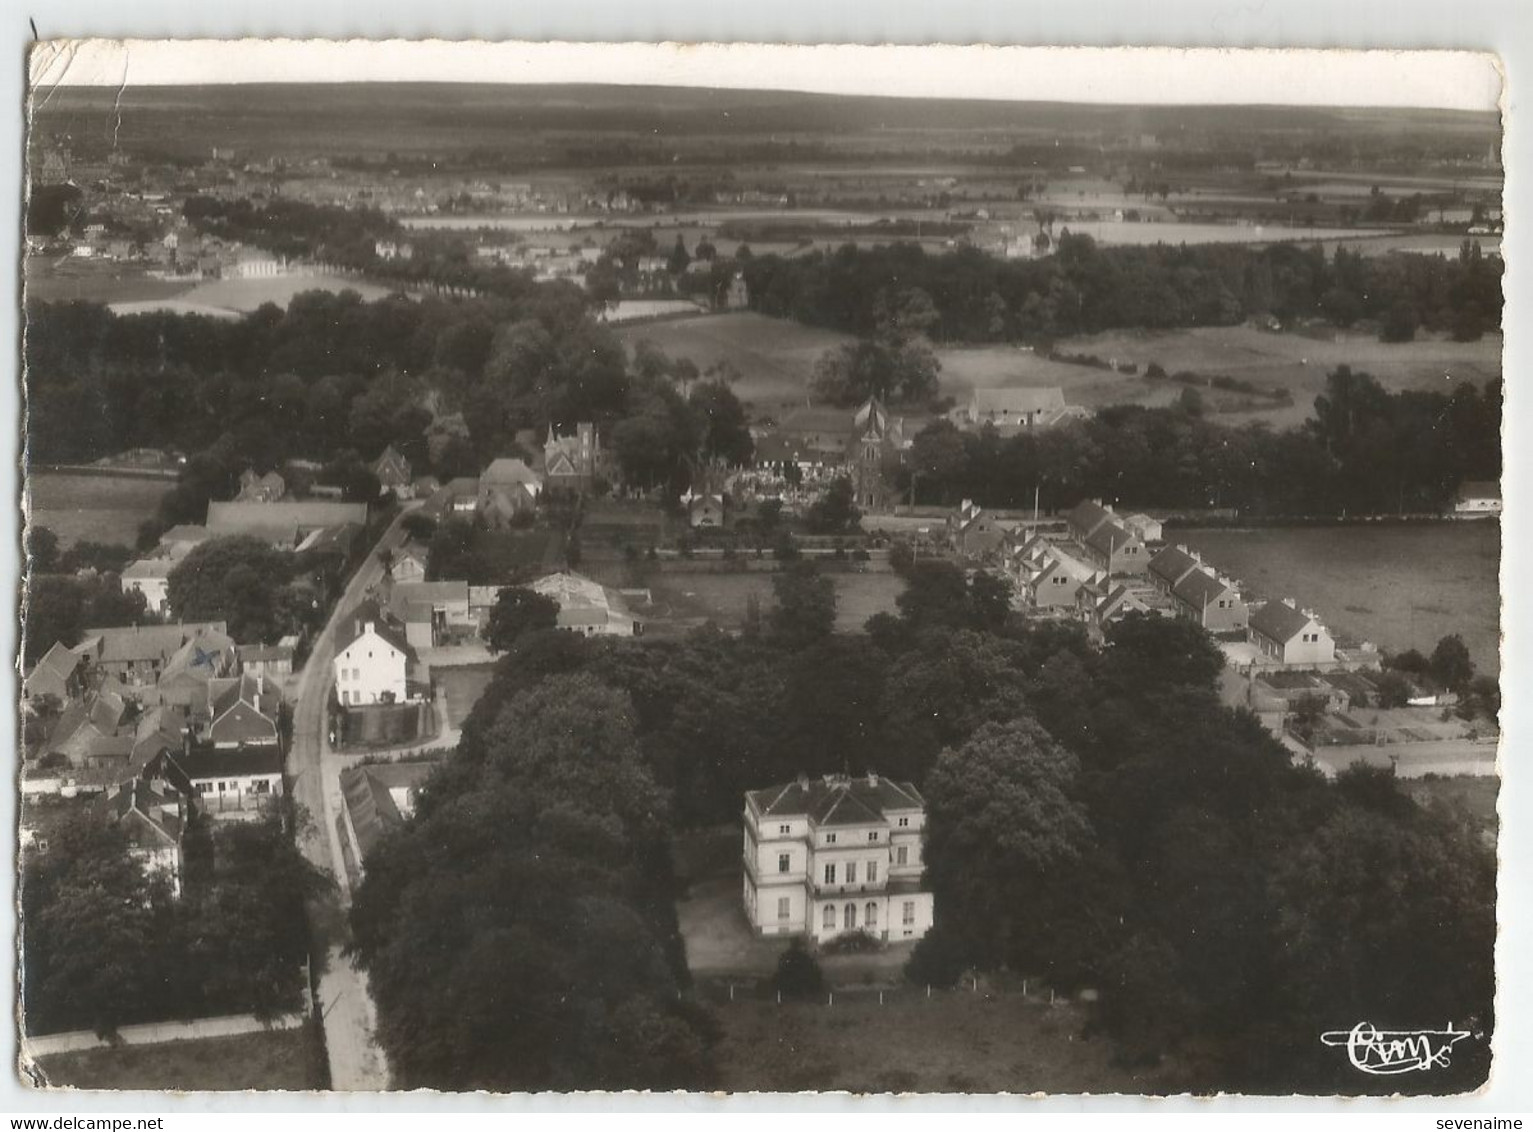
[955, 1041]
[463, 686]
[98, 508]
[1298, 363]
[269, 1060]
[774, 357]
[723, 597]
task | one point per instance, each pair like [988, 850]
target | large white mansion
[837, 854]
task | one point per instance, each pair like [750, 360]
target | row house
[974, 531]
[432, 613]
[1108, 544]
[829, 856]
[137, 655]
[1197, 591]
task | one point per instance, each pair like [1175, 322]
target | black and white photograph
[740, 569]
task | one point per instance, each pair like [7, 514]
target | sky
[1456, 80]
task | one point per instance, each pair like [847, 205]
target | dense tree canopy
[519, 933]
[241, 580]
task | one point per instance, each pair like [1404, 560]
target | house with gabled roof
[973, 530]
[1107, 542]
[588, 607]
[256, 488]
[1015, 409]
[827, 856]
[185, 678]
[153, 816]
[394, 473]
[377, 799]
[372, 658]
[1284, 633]
[138, 654]
[1210, 599]
[1170, 565]
[242, 711]
[1053, 579]
[61, 673]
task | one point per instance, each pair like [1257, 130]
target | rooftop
[838, 799]
[1280, 621]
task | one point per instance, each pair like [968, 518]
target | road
[357, 1062]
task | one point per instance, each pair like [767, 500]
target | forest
[1083, 288]
[1096, 819]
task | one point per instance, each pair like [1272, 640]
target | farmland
[95, 508]
[775, 358]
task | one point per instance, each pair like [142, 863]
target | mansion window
[830, 874]
[873, 836]
[829, 918]
[870, 915]
[910, 912]
[872, 872]
[904, 822]
[851, 872]
[830, 839]
[784, 907]
[902, 856]
[784, 830]
[783, 862]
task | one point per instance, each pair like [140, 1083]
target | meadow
[775, 359]
[105, 509]
[1399, 586]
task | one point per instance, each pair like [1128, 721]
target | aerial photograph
[545, 586]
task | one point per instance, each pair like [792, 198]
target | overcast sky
[1448, 80]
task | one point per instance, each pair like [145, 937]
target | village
[514, 610]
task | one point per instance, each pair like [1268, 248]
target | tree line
[1096, 818]
[1366, 451]
[1084, 288]
[451, 384]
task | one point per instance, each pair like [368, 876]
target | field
[953, 1042]
[279, 1059]
[130, 290]
[722, 597]
[775, 358]
[95, 508]
[1398, 586]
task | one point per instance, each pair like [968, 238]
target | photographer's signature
[1385, 1052]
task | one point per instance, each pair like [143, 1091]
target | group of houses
[383, 647]
[158, 723]
[1106, 565]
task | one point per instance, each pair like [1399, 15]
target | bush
[936, 961]
[853, 943]
[798, 973]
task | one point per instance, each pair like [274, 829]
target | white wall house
[372, 659]
[1285, 634]
[150, 577]
[827, 856]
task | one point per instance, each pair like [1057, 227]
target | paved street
[357, 1063]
